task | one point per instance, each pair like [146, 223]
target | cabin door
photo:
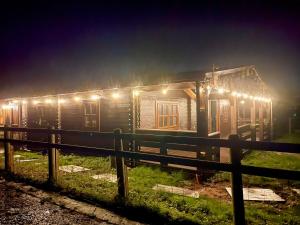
[225, 122]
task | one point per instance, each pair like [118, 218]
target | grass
[273, 213]
[167, 208]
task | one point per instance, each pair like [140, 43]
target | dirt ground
[18, 207]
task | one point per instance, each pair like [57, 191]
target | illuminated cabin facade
[214, 104]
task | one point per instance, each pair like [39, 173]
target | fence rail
[234, 143]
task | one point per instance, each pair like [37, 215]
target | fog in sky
[56, 47]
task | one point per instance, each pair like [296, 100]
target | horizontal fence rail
[234, 143]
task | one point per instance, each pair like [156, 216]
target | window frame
[89, 115]
[166, 117]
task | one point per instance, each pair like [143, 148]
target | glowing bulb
[24, 102]
[115, 95]
[234, 93]
[35, 102]
[242, 102]
[208, 87]
[60, 101]
[77, 98]
[245, 96]
[136, 93]
[221, 91]
[238, 94]
[94, 97]
[48, 101]
[165, 91]
[15, 101]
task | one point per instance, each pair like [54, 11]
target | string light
[15, 101]
[135, 93]
[245, 96]
[242, 102]
[221, 91]
[115, 95]
[94, 97]
[164, 91]
[24, 101]
[234, 93]
[77, 98]
[61, 101]
[7, 106]
[48, 101]
[35, 102]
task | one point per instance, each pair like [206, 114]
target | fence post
[236, 181]
[253, 132]
[8, 152]
[121, 167]
[163, 151]
[52, 159]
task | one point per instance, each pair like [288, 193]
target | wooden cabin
[209, 104]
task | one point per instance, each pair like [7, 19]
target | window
[15, 116]
[90, 114]
[2, 116]
[167, 115]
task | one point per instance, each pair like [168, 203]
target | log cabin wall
[80, 115]
[114, 112]
[40, 116]
[186, 109]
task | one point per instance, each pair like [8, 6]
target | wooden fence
[234, 143]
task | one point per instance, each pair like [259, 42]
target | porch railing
[234, 143]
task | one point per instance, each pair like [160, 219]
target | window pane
[175, 120]
[161, 109]
[165, 121]
[165, 109]
[171, 121]
[174, 111]
[160, 121]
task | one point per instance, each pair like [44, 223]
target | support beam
[271, 121]
[234, 115]
[201, 112]
[261, 121]
[253, 121]
[190, 93]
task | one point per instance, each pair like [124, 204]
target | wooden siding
[187, 119]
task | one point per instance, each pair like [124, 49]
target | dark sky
[54, 47]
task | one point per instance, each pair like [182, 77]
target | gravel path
[19, 208]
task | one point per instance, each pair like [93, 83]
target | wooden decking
[171, 152]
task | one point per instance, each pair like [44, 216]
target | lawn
[170, 208]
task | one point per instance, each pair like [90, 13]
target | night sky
[51, 48]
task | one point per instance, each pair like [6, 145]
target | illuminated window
[167, 115]
[2, 116]
[90, 114]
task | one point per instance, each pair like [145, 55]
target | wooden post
[132, 123]
[271, 121]
[163, 151]
[8, 152]
[198, 108]
[52, 159]
[121, 167]
[236, 181]
[253, 121]
[261, 122]
[233, 117]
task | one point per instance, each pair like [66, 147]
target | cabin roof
[180, 80]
